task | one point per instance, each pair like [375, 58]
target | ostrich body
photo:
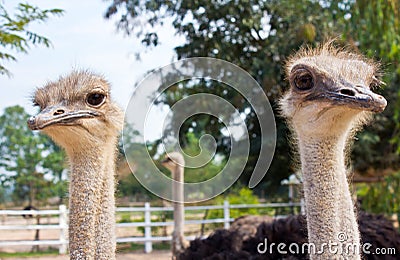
[375, 230]
[175, 163]
[329, 98]
[77, 113]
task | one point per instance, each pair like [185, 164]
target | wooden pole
[179, 212]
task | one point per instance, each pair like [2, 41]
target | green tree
[54, 165]
[134, 152]
[31, 163]
[381, 197]
[15, 34]
[255, 35]
[129, 186]
[374, 26]
[258, 36]
[209, 170]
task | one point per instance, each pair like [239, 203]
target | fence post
[226, 215]
[63, 230]
[148, 246]
[302, 207]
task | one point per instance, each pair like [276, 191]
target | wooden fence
[147, 239]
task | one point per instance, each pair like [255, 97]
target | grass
[161, 246]
[129, 247]
[46, 252]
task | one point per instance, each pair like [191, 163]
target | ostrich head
[76, 111]
[173, 159]
[330, 91]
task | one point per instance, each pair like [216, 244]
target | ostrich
[330, 96]
[77, 112]
[246, 226]
[329, 99]
[175, 163]
[375, 230]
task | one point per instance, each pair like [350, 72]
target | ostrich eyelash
[36, 104]
[376, 82]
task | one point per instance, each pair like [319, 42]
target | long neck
[178, 240]
[91, 228]
[330, 211]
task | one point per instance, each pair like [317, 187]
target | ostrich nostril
[31, 120]
[347, 92]
[59, 112]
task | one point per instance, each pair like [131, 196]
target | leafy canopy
[15, 35]
[31, 164]
[258, 36]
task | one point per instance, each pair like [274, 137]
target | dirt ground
[156, 255]
[54, 234]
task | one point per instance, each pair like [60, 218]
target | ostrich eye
[95, 99]
[303, 80]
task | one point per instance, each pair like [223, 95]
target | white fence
[147, 239]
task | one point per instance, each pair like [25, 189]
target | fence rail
[147, 239]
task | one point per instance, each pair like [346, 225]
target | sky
[83, 39]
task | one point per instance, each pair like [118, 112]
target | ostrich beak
[356, 97]
[360, 97]
[58, 115]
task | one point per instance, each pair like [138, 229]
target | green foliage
[130, 247]
[32, 165]
[133, 151]
[238, 196]
[154, 230]
[3, 195]
[245, 196]
[127, 218]
[47, 252]
[258, 36]
[205, 172]
[375, 27]
[128, 185]
[382, 197]
[14, 32]
[255, 35]
[381, 20]
[54, 164]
